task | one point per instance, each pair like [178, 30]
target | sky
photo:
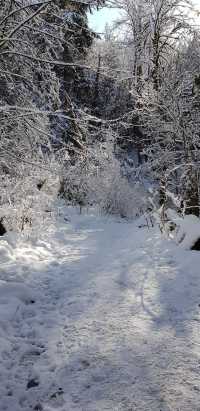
[98, 19]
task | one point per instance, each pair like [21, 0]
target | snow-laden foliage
[97, 179]
[139, 83]
[161, 42]
[29, 87]
[28, 200]
[40, 48]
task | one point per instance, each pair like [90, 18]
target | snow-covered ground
[99, 315]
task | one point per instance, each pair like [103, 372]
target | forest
[99, 206]
[109, 120]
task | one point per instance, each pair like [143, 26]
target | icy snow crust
[99, 315]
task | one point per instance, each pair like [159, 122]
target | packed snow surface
[99, 315]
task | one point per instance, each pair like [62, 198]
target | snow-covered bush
[26, 201]
[75, 182]
[96, 179]
[114, 194]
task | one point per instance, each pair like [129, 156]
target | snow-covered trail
[99, 315]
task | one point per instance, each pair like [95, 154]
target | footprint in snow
[30, 357]
[38, 407]
[34, 382]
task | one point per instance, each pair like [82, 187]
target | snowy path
[99, 315]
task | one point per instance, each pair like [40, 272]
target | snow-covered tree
[34, 40]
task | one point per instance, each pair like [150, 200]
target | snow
[187, 231]
[99, 315]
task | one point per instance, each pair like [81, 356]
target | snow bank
[14, 294]
[12, 297]
[6, 252]
[188, 229]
